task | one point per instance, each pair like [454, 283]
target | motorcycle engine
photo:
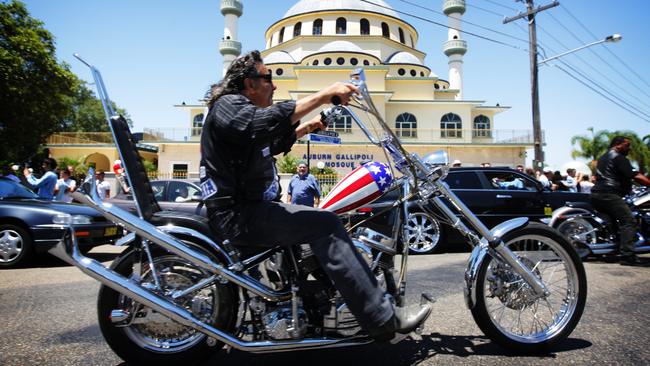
[278, 319]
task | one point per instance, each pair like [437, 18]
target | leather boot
[404, 321]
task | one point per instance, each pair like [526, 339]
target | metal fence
[327, 182]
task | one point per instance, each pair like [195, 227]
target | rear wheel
[422, 233]
[506, 308]
[140, 335]
[580, 232]
[15, 246]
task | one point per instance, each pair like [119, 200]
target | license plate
[110, 231]
[548, 211]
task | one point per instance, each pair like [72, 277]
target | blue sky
[154, 54]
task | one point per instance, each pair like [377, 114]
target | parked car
[494, 194]
[171, 194]
[29, 225]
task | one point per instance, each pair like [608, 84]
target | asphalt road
[48, 318]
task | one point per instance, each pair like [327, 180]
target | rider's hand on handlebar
[310, 126]
[339, 92]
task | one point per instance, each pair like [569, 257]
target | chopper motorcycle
[178, 294]
[595, 233]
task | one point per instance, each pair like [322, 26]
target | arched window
[318, 27]
[341, 26]
[482, 126]
[406, 125]
[297, 29]
[384, 30]
[365, 26]
[401, 36]
[411, 37]
[451, 126]
[197, 124]
[342, 124]
[281, 37]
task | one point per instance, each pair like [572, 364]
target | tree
[591, 147]
[87, 112]
[36, 92]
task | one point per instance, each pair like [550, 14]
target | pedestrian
[242, 132]
[585, 184]
[64, 187]
[558, 182]
[8, 173]
[103, 187]
[46, 183]
[614, 181]
[70, 169]
[547, 178]
[304, 188]
[520, 168]
[456, 164]
[486, 165]
[571, 181]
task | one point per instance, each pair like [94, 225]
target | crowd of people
[54, 183]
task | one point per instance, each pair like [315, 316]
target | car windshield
[11, 189]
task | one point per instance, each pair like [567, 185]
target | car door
[180, 195]
[514, 195]
[467, 185]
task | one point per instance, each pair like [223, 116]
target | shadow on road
[49, 261]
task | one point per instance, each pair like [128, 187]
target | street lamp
[321, 167]
[611, 39]
[538, 160]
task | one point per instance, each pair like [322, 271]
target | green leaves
[594, 146]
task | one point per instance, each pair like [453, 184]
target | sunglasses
[268, 77]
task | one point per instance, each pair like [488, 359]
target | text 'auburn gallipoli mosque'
[318, 42]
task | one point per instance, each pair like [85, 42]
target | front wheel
[507, 310]
[140, 335]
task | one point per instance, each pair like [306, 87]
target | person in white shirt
[546, 178]
[64, 187]
[585, 184]
[571, 182]
[103, 187]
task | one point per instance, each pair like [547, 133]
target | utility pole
[538, 161]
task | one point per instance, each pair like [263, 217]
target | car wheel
[422, 233]
[15, 246]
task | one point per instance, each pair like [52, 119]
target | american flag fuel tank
[359, 187]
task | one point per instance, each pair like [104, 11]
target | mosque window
[406, 125]
[482, 126]
[354, 61]
[297, 29]
[436, 86]
[401, 72]
[422, 73]
[318, 27]
[365, 26]
[197, 124]
[342, 124]
[455, 37]
[401, 36]
[315, 63]
[279, 72]
[341, 26]
[366, 63]
[327, 61]
[412, 44]
[281, 37]
[384, 30]
[340, 60]
[414, 73]
[451, 126]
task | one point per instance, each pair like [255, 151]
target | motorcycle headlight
[67, 219]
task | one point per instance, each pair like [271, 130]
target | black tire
[576, 231]
[16, 246]
[514, 299]
[124, 340]
[426, 233]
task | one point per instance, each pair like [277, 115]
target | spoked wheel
[140, 335]
[422, 233]
[580, 230]
[506, 308]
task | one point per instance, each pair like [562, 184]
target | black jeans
[613, 205]
[270, 224]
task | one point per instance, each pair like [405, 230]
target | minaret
[229, 46]
[455, 47]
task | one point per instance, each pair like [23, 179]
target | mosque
[321, 41]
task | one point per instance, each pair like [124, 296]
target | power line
[485, 10]
[445, 26]
[465, 21]
[608, 50]
[501, 5]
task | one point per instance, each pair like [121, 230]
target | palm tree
[591, 147]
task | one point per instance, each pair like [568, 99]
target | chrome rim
[11, 245]
[510, 302]
[578, 229]
[155, 332]
[422, 232]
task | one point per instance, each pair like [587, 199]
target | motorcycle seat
[184, 219]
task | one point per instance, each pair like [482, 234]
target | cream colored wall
[177, 153]
[412, 89]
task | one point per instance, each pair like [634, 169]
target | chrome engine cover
[278, 323]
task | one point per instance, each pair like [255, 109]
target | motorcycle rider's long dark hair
[233, 83]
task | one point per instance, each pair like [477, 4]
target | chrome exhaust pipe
[67, 249]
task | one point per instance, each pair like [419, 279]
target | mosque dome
[279, 57]
[309, 6]
[340, 46]
[403, 58]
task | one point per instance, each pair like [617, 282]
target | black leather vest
[609, 175]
